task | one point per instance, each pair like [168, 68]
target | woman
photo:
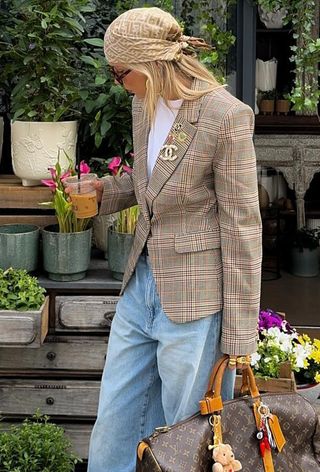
[191, 288]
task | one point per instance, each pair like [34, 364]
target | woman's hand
[239, 362]
[98, 184]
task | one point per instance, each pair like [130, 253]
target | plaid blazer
[199, 215]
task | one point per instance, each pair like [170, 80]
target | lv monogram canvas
[184, 447]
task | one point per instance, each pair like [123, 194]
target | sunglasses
[119, 76]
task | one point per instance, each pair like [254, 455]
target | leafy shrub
[36, 446]
[20, 291]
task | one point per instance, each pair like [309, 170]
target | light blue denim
[155, 374]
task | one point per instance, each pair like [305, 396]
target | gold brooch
[167, 152]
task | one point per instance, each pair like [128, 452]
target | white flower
[267, 359]
[255, 358]
[301, 354]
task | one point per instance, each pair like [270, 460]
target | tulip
[84, 168]
[114, 165]
[127, 169]
[50, 183]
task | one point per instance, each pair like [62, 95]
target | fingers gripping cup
[83, 195]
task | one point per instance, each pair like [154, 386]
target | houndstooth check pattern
[200, 216]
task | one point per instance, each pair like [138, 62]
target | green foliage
[300, 16]
[305, 239]
[39, 50]
[61, 203]
[36, 446]
[212, 19]
[106, 107]
[20, 291]
[269, 95]
[127, 220]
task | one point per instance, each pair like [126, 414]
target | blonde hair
[168, 79]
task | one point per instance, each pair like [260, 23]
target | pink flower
[65, 175]
[127, 169]
[50, 183]
[53, 172]
[114, 165]
[84, 168]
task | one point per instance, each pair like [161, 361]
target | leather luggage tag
[277, 432]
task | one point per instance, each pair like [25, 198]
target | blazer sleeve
[118, 194]
[236, 190]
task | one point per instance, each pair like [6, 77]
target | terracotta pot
[282, 107]
[267, 107]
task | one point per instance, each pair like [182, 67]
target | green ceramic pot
[305, 263]
[66, 256]
[19, 245]
[119, 247]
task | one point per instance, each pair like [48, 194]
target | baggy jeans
[156, 372]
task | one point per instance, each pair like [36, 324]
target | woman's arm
[115, 194]
[240, 226]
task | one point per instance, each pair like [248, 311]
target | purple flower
[269, 319]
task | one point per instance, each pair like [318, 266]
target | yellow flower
[316, 343]
[315, 355]
[317, 377]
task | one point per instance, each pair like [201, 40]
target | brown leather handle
[212, 400]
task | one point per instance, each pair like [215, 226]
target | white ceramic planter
[35, 147]
[272, 19]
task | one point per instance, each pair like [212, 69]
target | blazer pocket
[193, 242]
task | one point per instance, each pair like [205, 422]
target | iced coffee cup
[83, 195]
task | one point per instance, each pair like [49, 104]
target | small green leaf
[95, 42]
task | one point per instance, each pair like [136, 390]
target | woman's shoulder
[222, 102]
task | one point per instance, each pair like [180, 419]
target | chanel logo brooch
[167, 152]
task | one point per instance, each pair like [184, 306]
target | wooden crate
[14, 195]
[27, 329]
[85, 313]
[59, 398]
[285, 383]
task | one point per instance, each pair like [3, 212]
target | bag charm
[222, 454]
[269, 432]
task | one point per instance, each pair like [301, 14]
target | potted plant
[66, 246]
[19, 245]
[121, 233]
[308, 376]
[271, 13]
[266, 105]
[23, 309]
[41, 74]
[101, 223]
[304, 252]
[36, 445]
[278, 355]
[283, 103]
[301, 16]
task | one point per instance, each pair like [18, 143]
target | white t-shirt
[163, 121]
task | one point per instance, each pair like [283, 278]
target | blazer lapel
[173, 150]
[177, 142]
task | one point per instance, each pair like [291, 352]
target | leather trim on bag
[209, 405]
[142, 446]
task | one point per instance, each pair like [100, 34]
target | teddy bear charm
[222, 454]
